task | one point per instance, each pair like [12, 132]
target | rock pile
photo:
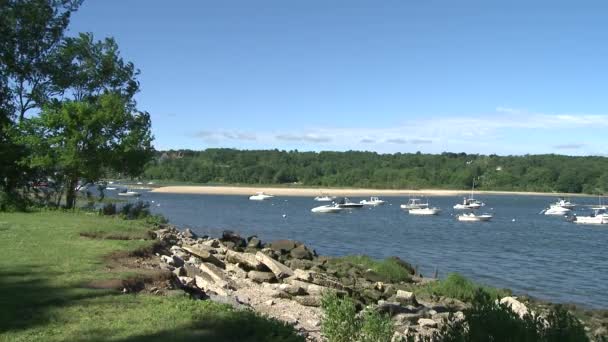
[285, 279]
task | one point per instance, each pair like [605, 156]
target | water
[543, 256]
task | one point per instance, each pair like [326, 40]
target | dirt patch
[117, 236]
[156, 279]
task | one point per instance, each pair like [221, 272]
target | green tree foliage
[78, 140]
[368, 169]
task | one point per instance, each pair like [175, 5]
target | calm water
[539, 255]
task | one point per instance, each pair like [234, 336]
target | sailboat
[469, 203]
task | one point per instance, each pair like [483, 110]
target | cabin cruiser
[469, 203]
[128, 193]
[471, 217]
[346, 203]
[374, 201]
[564, 204]
[328, 208]
[599, 216]
[425, 211]
[557, 210]
[260, 196]
[325, 198]
[415, 203]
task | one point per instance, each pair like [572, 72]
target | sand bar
[278, 191]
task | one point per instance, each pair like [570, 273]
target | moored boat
[599, 216]
[425, 211]
[373, 201]
[471, 217]
[346, 203]
[414, 203]
[564, 204]
[325, 198]
[260, 196]
[128, 193]
[557, 210]
[328, 208]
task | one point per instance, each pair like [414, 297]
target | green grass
[458, 287]
[46, 262]
[389, 269]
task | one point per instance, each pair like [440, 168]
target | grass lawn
[45, 264]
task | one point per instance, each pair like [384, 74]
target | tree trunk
[70, 193]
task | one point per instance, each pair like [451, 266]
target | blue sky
[504, 77]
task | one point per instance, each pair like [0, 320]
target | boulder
[172, 260]
[320, 279]
[189, 234]
[393, 308]
[284, 246]
[261, 277]
[309, 300]
[407, 318]
[187, 281]
[280, 271]
[247, 260]
[236, 239]
[216, 273]
[302, 264]
[215, 243]
[516, 306]
[203, 254]
[427, 323]
[206, 283]
[301, 252]
[254, 242]
[191, 270]
[406, 298]
[292, 290]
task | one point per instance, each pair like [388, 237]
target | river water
[542, 256]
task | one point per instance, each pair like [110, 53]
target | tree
[79, 140]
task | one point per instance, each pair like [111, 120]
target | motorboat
[128, 193]
[346, 203]
[260, 196]
[557, 210]
[415, 203]
[373, 201]
[425, 211]
[470, 202]
[111, 188]
[564, 204]
[471, 217]
[325, 198]
[328, 208]
[599, 216]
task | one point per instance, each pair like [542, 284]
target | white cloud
[308, 137]
[218, 136]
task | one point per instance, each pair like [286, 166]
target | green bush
[392, 269]
[487, 320]
[137, 210]
[342, 324]
[459, 287]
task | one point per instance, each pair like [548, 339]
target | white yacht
[325, 198]
[328, 208]
[557, 210]
[425, 211]
[373, 201]
[564, 203]
[599, 216]
[260, 196]
[469, 203]
[128, 193]
[346, 203]
[415, 203]
[471, 217]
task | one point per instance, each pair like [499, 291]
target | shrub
[392, 269]
[459, 287]
[156, 220]
[137, 210]
[341, 322]
[108, 209]
[562, 326]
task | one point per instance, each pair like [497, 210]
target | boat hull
[474, 218]
[326, 209]
[425, 211]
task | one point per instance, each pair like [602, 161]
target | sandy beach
[278, 191]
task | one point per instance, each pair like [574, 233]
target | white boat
[328, 208]
[260, 196]
[425, 211]
[110, 188]
[325, 198]
[556, 210]
[129, 194]
[470, 217]
[414, 203]
[599, 216]
[469, 203]
[346, 203]
[374, 201]
[564, 204]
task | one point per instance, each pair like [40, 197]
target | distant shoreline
[355, 192]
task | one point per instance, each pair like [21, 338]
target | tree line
[67, 108]
[547, 173]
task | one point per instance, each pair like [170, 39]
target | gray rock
[309, 300]
[216, 273]
[301, 252]
[284, 246]
[189, 234]
[180, 272]
[280, 271]
[407, 318]
[254, 242]
[204, 255]
[302, 264]
[247, 260]
[427, 323]
[406, 298]
[261, 277]
[236, 239]
[393, 308]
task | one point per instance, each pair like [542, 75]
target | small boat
[556, 210]
[129, 193]
[471, 217]
[469, 203]
[425, 211]
[328, 208]
[564, 203]
[415, 203]
[111, 188]
[346, 203]
[260, 196]
[599, 216]
[374, 201]
[325, 198]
